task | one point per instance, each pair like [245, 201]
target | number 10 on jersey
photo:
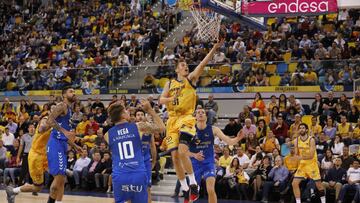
[126, 150]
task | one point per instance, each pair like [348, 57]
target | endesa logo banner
[288, 7]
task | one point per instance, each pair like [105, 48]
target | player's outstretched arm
[51, 122]
[194, 76]
[230, 141]
[157, 127]
[43, 125]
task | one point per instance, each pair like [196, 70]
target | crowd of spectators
[263, 161]
[325, 49]
[86, 44]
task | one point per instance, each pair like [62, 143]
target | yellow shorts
[308, 170]
[177, 125]
[38, 164]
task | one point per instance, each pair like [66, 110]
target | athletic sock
[298, 200]
[192, 179]
[51, 200]
[184, 184]
[17, 190]
[58, 201]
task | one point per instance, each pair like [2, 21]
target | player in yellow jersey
[308, 167]
[179, 95]
[37, 162]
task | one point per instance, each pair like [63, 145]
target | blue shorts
[203, 171]
[130, 186]
[56, 155]
[148, 171]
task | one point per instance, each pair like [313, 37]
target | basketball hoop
[208, 22]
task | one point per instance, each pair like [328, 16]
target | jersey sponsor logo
[132, 188]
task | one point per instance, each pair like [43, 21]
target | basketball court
[91, 197]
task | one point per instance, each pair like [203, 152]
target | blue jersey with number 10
[126, 147]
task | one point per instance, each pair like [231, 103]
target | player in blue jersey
[202, 152]
[129, 175]
[59, 120]
[149, 150]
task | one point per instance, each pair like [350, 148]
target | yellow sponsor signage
[289, 89]
[118, 91]
[56, 92]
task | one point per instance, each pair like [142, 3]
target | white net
[208, 23]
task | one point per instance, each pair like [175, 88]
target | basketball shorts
[130, 186]
[203, 171]
[57, 157]
[308, 170]
[38, 164]
[176, 126]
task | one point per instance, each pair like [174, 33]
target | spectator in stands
[246, 114]
[347, 160]
[277, 177]
[337, 146]
[335, 177]
[283, 103]
[353, 180]
[280, 129]
[321, 146]
[211, 104]
[274, 114]
[106, 163]
[262, 129]
[290, 161]
[8, 140]
[12, 126]
[355, 101]
[294, 128]
[310, 77]
[326, 162]
[3, 151]
[356, 133]
[80, 164]
[242, 183]
[258, 105]
[261, 174]
[225, 160]
[317, 105]
[249, 128]
[251, 144]
[243, 159]
[270, 143]
[315, 128]
[12, 168]
[353, 114]
[98, 103]
[232, 128]
[134, 102]
[272, 103]
[344, 130]
[330, 129]
[293, 102]
[329, 104]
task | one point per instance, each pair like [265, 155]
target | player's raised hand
[71, 135]
[78, 149]
[145, 105]
[219, 43]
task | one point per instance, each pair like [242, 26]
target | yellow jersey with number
[185, 98]
[40, 141]
[307, 168]
[304, 148]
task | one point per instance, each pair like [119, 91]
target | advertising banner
[288, 7]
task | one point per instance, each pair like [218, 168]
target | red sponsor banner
[288, 7]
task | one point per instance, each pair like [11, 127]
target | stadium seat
[292, 67]
[351, 44]
[287, 57]
[270, 21]
[281, 68]
[270, 68]
[155, 82]
[224, 70]
[275, 80]
[307, 119]
[236, 67]
[10, 86]
[205, 81]
[212, 72]
[162, 82]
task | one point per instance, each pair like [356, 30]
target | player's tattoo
[43, 125]
[58, 110]
[147, 127]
